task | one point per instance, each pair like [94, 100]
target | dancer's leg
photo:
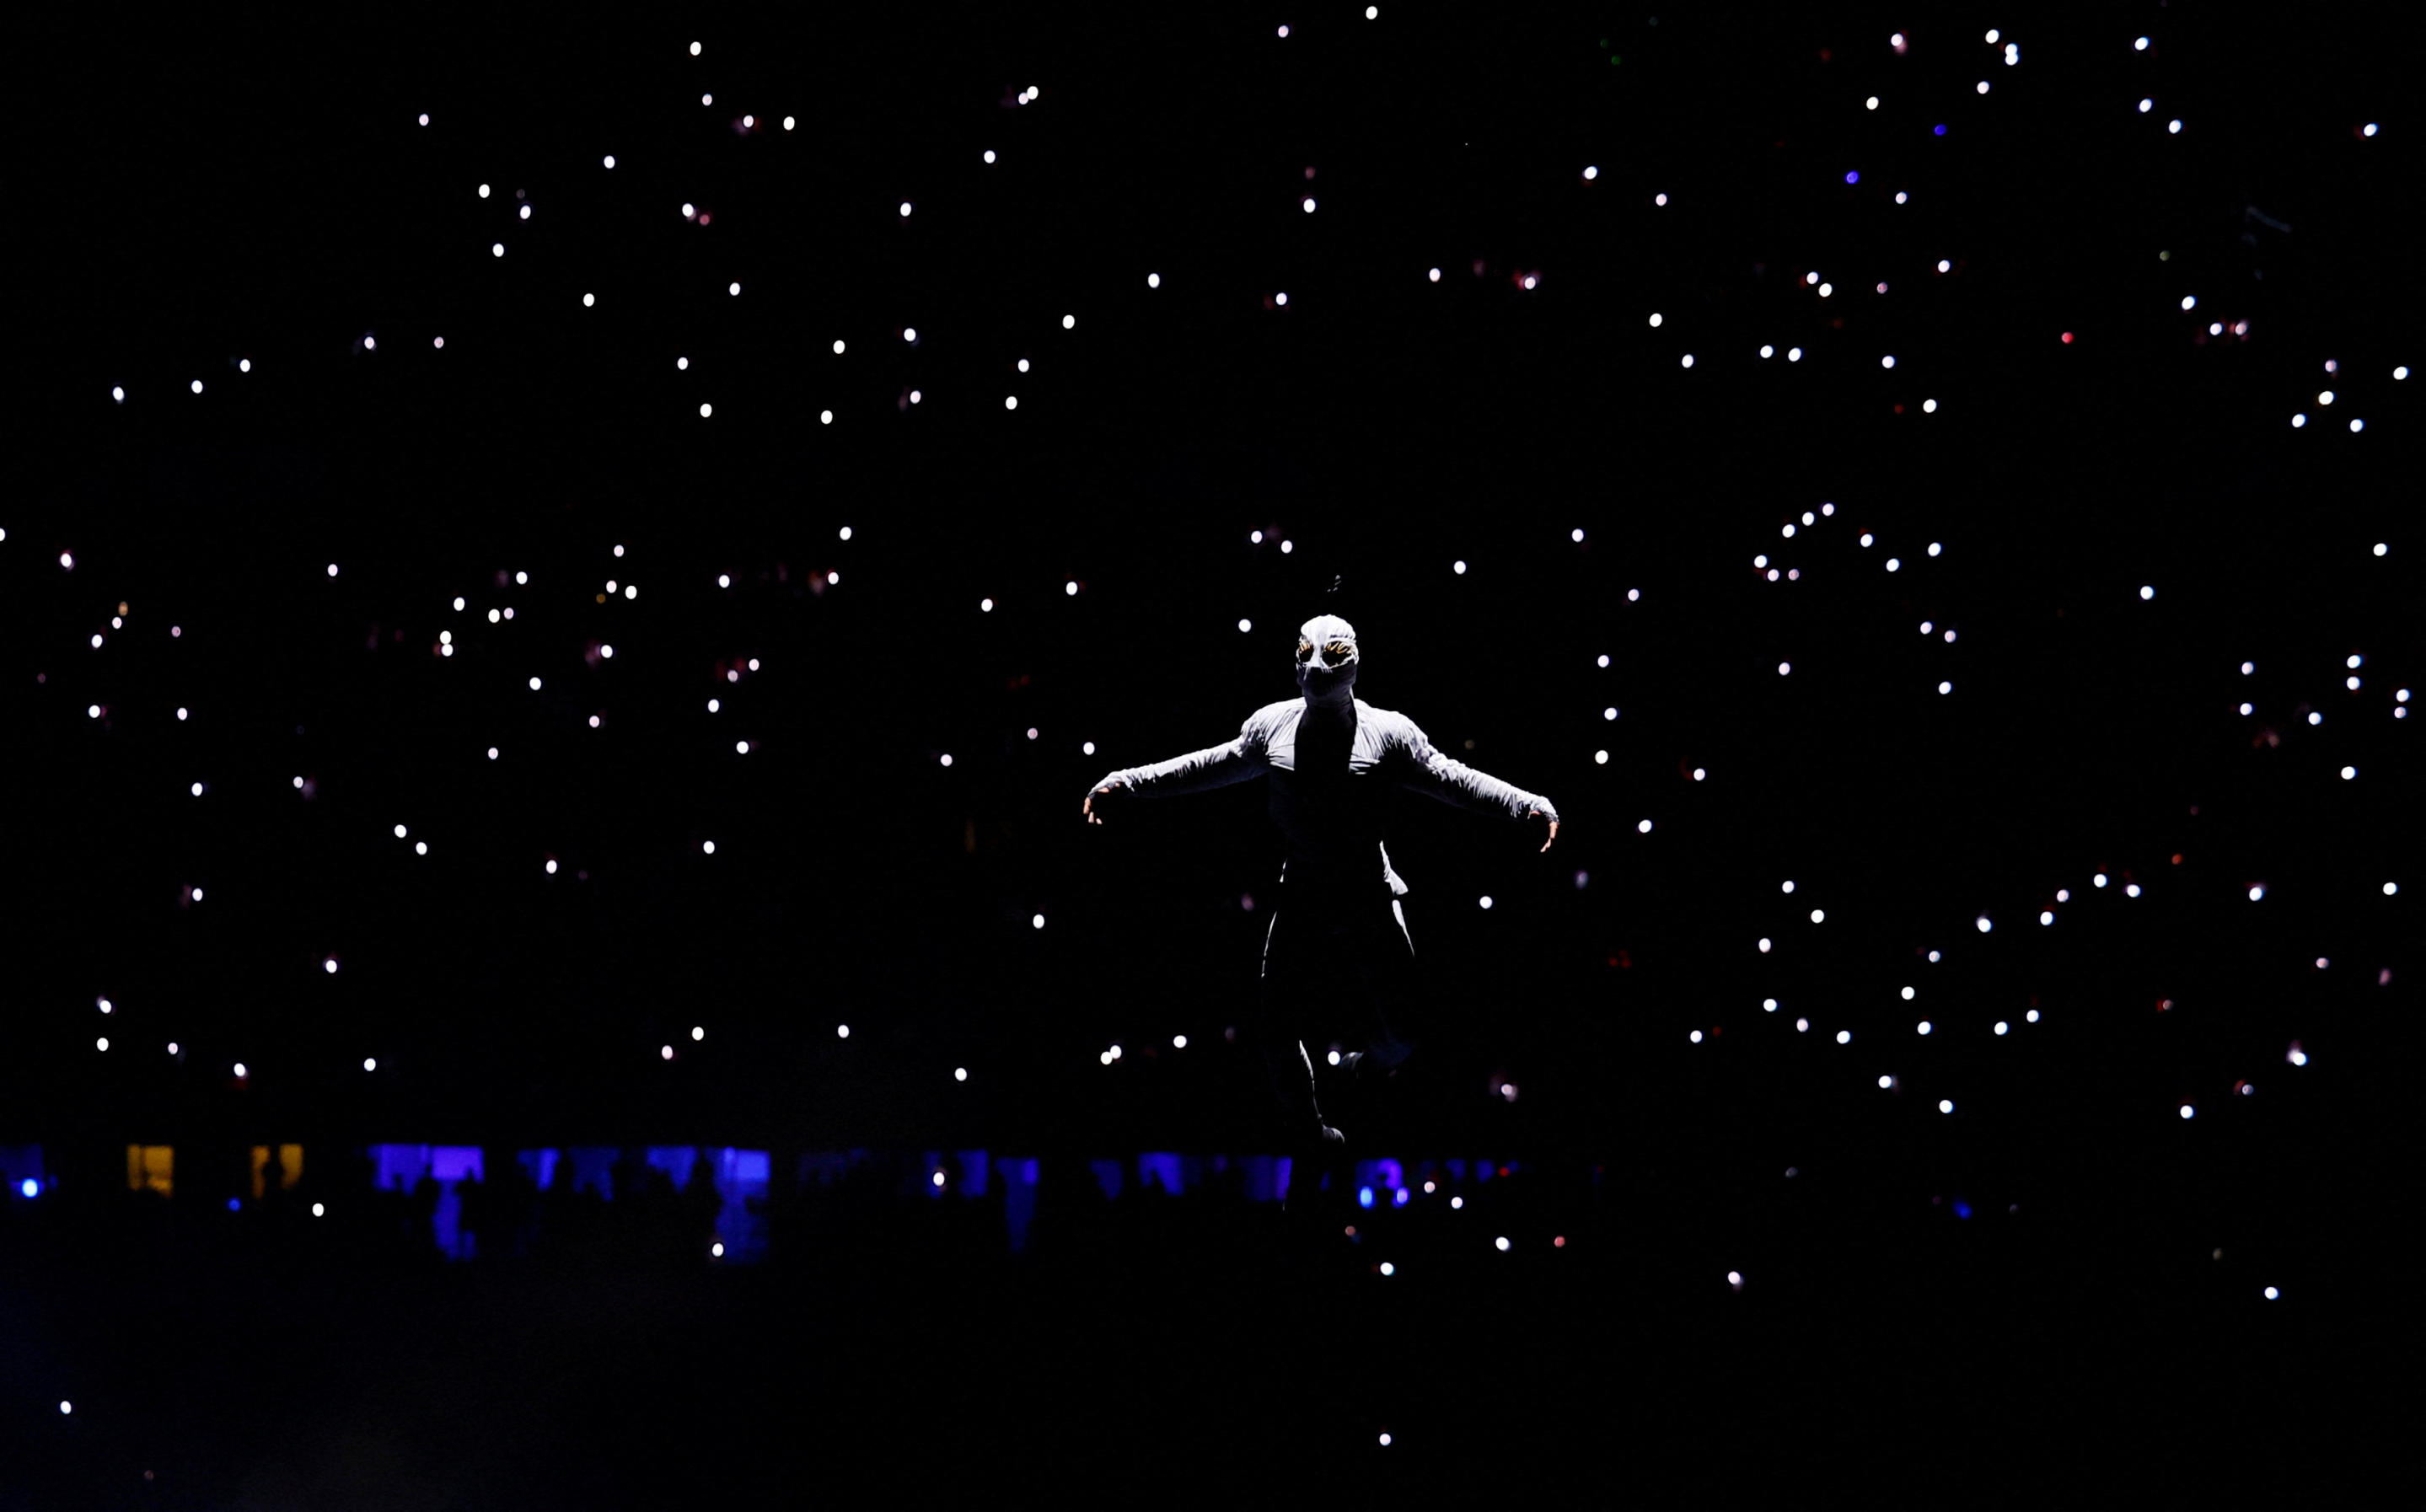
[1278, 1028]
[1396, 999]
[1312, 1147]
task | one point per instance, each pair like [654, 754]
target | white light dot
[2146, 593]
[1929, 406]
[1784, 668]
[1068, 322]
[1767, 351]
[2173, 128]
[742, 748]
[1246, 625]
[1500, 1244]
[1764, 946]
[1600, 758]
[1794, 354]
[1010, 402]
[947, 758]
[1982, 87]
[1945, 1105]
[1153, 280]
[1844, 1037]
[2348, 772]
[1642, 829]
[1486, 900]
[705, 410]
[2357, 425]
[1894, 563]
[1458, 567]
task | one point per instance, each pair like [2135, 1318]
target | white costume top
[1334, 827]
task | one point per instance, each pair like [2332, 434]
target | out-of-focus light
[2187, 1111]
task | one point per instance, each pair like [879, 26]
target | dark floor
[1158, 1362]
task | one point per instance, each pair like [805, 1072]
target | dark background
[205, 187]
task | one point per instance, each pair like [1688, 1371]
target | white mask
[1326, 661]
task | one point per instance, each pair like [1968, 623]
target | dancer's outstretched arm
[1418, 765]
[1236, 760]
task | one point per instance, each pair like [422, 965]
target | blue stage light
[1364, 1197]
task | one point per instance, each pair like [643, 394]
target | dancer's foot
[1315, 1152]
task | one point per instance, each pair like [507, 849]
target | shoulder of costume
[1389, 721]
[1270, 717]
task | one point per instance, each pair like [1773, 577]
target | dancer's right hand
[1088, 808]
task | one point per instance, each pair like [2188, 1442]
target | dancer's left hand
[1536, 814]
